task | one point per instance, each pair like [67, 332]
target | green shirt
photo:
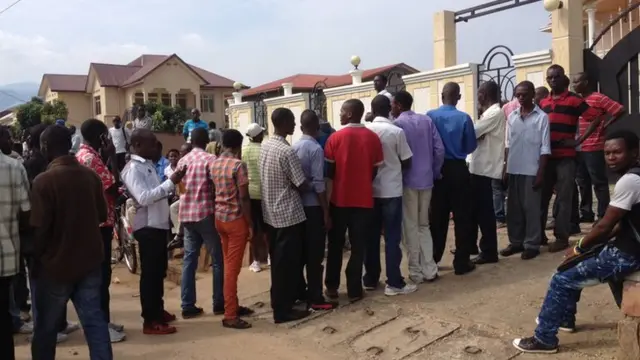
[250, 156]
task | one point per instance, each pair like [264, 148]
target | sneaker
[192, 313]
[255, 267]
[116, 327]
[564, 327]
[323, 306]
[393, 291]
[533, 346]
[167, 317]
[26, 328]
[116, 336]
[370, 287]
[415, 279]
[236, 323]
[71, 327]
[158, 329]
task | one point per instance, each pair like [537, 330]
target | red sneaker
[168, 317]
[158, 329]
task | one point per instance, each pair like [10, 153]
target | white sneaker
[407, 289]
[71, 327]
[255, 267]
[116, 336]
[116, 327]
[59, 339]
[268, 260]
[26, 328]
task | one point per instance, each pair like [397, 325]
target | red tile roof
[302, 82]
[113, 75]
[63, 82]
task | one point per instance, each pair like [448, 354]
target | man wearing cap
[250, 155]
[193, 123]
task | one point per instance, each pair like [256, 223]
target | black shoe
[464, 268]
[485, 259]
[511, 250]
[331, 293]
[292, 315]
[587, 219]
[558, 245]
[192, 313]
[575, 230]
[529, 254]
[533, 346]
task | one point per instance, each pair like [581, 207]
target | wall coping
[280, 100]
[241, 106]
[348, 89]
[437, 74]
[532, 59]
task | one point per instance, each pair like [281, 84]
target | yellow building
[110, 90]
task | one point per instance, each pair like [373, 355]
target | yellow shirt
[250, 156]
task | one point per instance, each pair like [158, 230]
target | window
[152, 97]
[181, 100]
[138, 99]
[206, 103]
[166, 99]
[97, 105]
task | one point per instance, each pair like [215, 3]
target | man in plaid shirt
[591, 169]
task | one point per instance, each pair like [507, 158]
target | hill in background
[15, 94]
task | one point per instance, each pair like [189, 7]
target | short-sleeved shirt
[355, 151]
[395, 148]
[626, 196]
[190, 125]
[228, 174]
[312, 160]
[280, 176]
[250, 156]
[90, 158]
[604, 105]
[14, 198]
[197, 201]
[527, 139]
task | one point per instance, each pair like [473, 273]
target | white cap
[254, 130]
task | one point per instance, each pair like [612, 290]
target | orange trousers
[233, 236]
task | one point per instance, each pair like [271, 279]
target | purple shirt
[427, 148]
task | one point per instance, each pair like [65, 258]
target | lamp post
[237, 95]
[356, 74]
[552, 5]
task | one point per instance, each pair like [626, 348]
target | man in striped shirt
[591, 166]
[564, 109]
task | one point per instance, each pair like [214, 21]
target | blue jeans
[195, 235]
[560, 304]
[499, 206]
[387, 215]
[51, 300]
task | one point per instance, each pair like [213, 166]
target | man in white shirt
[150, 228]
[142, 121]
[387, 196]
[380, 85]
[486, 165]
[120, 137]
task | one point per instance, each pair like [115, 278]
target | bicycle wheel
[119, 232]
[130, 256]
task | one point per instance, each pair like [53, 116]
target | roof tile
[63, 82]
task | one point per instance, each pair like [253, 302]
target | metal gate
[502, 72]
[318, 101]
[260, 115]
[394, 82]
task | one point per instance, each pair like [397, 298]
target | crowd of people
[400, 176]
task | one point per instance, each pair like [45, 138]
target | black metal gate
[394, 82]
[502, 72]
[260, 115]
[318, 101]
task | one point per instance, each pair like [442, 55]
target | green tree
[30, 113]
[57, 109]
[167, 118]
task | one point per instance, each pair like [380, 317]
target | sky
[251, 41]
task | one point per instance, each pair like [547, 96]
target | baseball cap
[254, 130]
[60, 122]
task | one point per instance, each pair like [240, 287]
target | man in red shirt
[353, 155]
[564, 108]
[591, 166]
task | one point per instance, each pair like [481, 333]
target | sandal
[236, 323]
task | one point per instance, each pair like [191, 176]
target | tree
[30, 113]
[167, 118]
[53, 111]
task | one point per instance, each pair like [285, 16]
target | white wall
[422, 100]
[297, 133]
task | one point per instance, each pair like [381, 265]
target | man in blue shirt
[160, 162]
[193, 123]
[451, 191]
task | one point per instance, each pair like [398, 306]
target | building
[110, 90]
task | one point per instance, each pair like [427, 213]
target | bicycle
[123, 231]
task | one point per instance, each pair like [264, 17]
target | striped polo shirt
[564, 110]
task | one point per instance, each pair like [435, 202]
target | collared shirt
[281, 175]
[355, 151]
[67, 207]
[488, 159]
[528, 139]
[144, 123]
[395, 149]
[604, 105]
[228, 174]
[250, 156]
[161, 165]
[564, 110]
[76, 141]
[148, 192]
[90, 158]
[312, 160]
[427, 148]
[389, 96]
[510, 107]
[120, 138]
[456, 131]
[14, 198]
[190, 125]
[197, 201]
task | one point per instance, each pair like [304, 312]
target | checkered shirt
[229, 174]
[280, 175]
[90, 158]
[197, 201]
[14, 198]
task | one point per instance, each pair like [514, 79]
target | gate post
[568, 37]
[444, 40]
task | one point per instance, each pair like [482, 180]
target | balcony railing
[618, 27]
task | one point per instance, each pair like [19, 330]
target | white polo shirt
[388, 182]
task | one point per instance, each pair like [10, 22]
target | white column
[237, 97]
[173, 98]
[288, 89]
[145, 96]
[356, 76]
[591, 25]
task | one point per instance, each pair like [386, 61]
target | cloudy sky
[252, 41]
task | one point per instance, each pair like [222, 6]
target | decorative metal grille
[394, 82]
[260, 115]
[318, 101]
[502, 72]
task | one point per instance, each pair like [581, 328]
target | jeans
[152, 244]
[484, 215]
[107, 238]
[51, 299]
[499, 204]
[559, 173]
[560, 303]
[7, 350]
[234, 237]
[387, 215]
[196, 234]
[416, 234]
[285, 249]
[592, 171]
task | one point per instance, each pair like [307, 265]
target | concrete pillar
[173, 98]
[145, 95]
[444, 40]
[237, 98]
[288, 89]
[567, 36]
[356, 76]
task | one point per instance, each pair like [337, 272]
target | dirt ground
[473, 317]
